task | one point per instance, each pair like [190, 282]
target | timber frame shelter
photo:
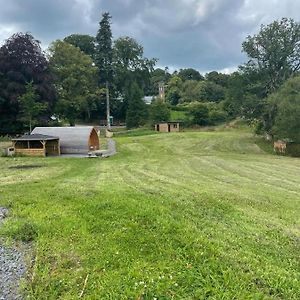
[167, 127]
[36, 145]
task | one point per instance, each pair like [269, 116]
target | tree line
[70, 81]
[73, 79]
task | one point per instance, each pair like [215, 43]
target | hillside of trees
[72, 80]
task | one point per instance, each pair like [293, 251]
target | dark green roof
[35, 137]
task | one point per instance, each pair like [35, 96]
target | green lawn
[194, 215]
[178, 115]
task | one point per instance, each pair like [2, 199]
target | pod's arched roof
[72, 139]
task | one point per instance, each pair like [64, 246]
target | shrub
[159, 112]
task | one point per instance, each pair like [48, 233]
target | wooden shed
[73, 140]
[167, 127]
[36, 145]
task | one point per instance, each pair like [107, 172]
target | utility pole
[107, 107]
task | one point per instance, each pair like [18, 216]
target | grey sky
[202, 34]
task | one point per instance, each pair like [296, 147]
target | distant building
[161, 91]
[148, 99]
[167, 127]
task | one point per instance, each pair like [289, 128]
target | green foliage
[217, 114]
[23, 231]
[190, 91]
[156, 77]
[30, 108]
[84, 42]
[75, 80]
[174, 91]
[274, 52]
[286, 103]
[293, 149]
[130, 64]
[199, 113]
[136, 114]
[178, 115]
[210, 91]
[218, 78]
[244, 96]
[21, 61]
[206, 113]
[190, 74]
[104, 53]
[158, 112]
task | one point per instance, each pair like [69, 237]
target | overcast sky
[202, 34]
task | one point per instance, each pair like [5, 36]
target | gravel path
[111, 149]
[12, 268]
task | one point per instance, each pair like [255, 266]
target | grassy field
[178, 115]
[194, 215]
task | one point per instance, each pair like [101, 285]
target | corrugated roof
[35, 137]
[72, 139]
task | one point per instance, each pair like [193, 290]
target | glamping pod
[73, 140]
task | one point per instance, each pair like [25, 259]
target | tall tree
[22, 61]
[130, 64]
[274, 52]
[157, 76]
[104, 57]
[136, 114]
[190, 74]
[174, 90]
[75, 80]
[218, 78]
[158, 112]
[30, 108]
[84, 42]
[286, 105]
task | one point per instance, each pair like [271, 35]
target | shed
[167, 127]
[36, 145]
[73, 140]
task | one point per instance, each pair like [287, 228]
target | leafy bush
[208, 113]
[199, 113]
[286, 104]
[158, 112]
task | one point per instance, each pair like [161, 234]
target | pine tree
[104, 53]
[104, 57]
[137, 111]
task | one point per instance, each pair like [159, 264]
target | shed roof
[35, 137]
[72, 139]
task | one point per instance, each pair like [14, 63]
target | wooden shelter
[73, 140]
[167, 127]
[36, 145]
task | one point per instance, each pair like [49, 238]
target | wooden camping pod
[73, 140]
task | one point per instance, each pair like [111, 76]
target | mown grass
[193, 215]
[178, 115]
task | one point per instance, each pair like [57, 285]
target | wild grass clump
[25, 232]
